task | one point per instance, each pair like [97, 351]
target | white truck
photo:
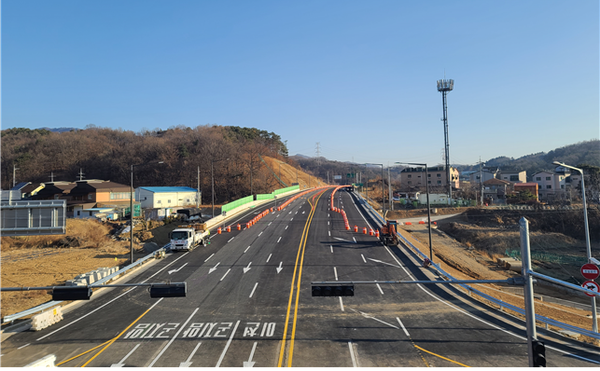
[188, 237]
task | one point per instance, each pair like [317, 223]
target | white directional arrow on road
[379, 261]
[213, 268]
[250, 363]
[279, 268]
[177, 270]
[188, 363]
[247, 268]
[122, 362]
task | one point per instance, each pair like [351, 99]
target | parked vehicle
[388, 233]
[188, 237]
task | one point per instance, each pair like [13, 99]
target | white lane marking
[286, 227]
[354, 364]
[209, 257]
[177, 270]
[335, 273]
[173, 339]
[279, 240]
[249, 363]
[341, 303]
[226, 273]
[213, 268]
[26, 345]
[122, 362]
[403, 328]
[231, 239]
[278, 215]
[363, 257]
[254, 289]
[382, 262]
[269, 224]
[329, 232]
[291, 212]
[303, 212]
[379, 287]
[328, 222]
[246, 249]
[329, 216]
[228, 344]
[247, 268]
[331, 248]
[295, 213]
[188, 362]
[269, 258]
[291, 219]
[259, 234]
[279, 268]
[354, 238]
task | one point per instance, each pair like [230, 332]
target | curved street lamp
[428, 206]
[587, 234]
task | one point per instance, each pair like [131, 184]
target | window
[439, 182]
[538, 178]
[119, 195]
[513, 178]
[439, 175]
[409, 182]
[159, 202]
[548, 186]
[90, 196]
[429, 182]
[169, 201]
[548, 178]
[410, 176]
[429, 175]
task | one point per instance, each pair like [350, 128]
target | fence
[285, 190]
[232, 205]
[268, 196]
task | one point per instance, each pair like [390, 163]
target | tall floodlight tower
[444, 86]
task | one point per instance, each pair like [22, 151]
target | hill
[578, 154]
[190, 157]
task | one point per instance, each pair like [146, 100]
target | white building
[551, 185]
[166, 197]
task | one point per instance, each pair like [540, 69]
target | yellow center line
[287, 318]
[437, 355]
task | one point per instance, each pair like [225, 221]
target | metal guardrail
[97, 284]
[542, 319]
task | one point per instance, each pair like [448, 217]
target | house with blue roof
[166, 197]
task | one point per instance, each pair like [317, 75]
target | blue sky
[358, 77]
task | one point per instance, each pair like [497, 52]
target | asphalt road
[249, 303]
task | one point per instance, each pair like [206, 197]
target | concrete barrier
[47, 361]
[46, 319]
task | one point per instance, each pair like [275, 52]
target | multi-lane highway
[249, 303]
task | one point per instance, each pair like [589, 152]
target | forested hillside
[579, 154]
[102, 153]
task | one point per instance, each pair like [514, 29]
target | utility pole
[15, 168]
[444, 86]
[390, 189]
[199, 191]
[81, 174]
[481, 180]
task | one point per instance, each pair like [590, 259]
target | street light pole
[212, 177]
[382, 189]
[587, 235]
[131, 208]
[428, 205]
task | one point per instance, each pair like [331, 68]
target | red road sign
[590, 271]
[591, 285]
